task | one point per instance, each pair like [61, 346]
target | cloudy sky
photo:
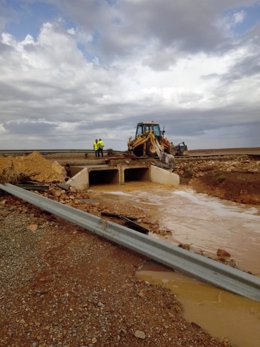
[71, 71]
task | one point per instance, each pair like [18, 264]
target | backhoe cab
[148, 140]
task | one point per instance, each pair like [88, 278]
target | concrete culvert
[137, 174]
[103, 177]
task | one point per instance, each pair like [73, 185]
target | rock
[232, 263]
[140, 334]
[221, 253]
[32, 227]
[57, 193]
[141, 294]
[184, 246]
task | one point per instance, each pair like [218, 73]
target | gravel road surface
[61, 286]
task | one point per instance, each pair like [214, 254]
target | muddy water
[207, 223]
[222, 314]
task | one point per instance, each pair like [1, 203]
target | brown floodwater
[206, 223]
[223, 314]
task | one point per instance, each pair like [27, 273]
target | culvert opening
[138, 174]
[103, 177]
[72, 170]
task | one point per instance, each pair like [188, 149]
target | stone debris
[184, 246]
[140, 334]
[222, 253]
[32, 227]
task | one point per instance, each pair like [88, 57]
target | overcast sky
[72, 71]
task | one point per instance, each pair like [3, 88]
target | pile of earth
[32, 167]
[235, 179]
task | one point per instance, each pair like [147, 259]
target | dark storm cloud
[30, 128]
[10, 92]
[250, 64]
[128, 26]
[195, 122]
[246, 66]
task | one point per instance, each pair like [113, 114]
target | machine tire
[150, 150]
[138, 151]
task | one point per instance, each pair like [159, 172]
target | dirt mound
[33, 167]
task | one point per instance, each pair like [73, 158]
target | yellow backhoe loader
[146, 137]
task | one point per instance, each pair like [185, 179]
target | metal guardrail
[191, 153]
[170, 255]
[43, 151]
[49, 151]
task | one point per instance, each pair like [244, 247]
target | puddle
[220, 313]
[206, 223]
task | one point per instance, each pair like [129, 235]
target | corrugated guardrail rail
[201, 267]
[49, 151]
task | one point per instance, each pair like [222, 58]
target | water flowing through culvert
[206, 223]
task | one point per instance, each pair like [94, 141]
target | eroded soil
[236, 179]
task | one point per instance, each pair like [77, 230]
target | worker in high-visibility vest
[96, 147]
[101, 145]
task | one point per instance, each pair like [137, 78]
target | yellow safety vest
[95, 145]
[101, 144]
